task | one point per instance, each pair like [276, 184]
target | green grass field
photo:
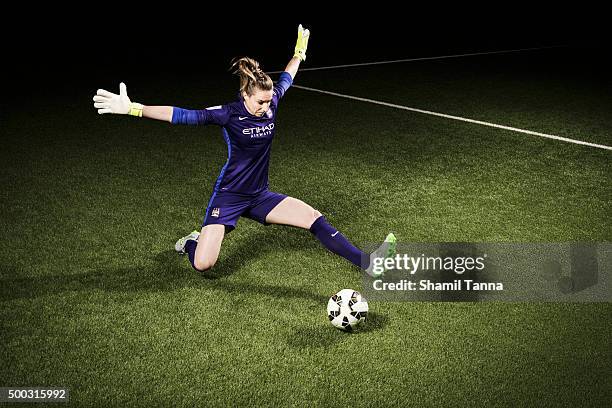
[95, 299]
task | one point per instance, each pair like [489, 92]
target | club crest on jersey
[269, 113]
[215, 212]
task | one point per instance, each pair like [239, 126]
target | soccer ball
[347, 309]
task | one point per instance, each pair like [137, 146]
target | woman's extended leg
[204, 252]
[297, 213]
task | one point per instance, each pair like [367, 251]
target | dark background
[46, 46]
[60, 56]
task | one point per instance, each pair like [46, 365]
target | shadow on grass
[168, 272]
[256, 245]
[321, 335]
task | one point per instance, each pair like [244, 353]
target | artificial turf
[95, 299]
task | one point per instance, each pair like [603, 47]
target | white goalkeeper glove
[108, 102]
[302, 43]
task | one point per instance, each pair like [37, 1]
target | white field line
[474, 54]
[442, 115]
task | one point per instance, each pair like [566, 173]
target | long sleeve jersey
[248, 138]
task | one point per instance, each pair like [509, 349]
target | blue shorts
[225, 207]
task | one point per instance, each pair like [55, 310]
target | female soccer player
[241, 190]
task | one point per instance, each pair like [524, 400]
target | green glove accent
[135, 109]
[302, 43]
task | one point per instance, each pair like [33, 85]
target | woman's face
[258, 103]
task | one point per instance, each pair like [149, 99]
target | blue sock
[333, 240]
[190, 248]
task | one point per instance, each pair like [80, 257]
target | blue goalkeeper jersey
[248, 138]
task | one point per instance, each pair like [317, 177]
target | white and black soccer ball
[347, 309]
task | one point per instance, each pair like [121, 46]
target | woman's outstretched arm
[108, 102]
[293, 66]
[158, 112]
[300, 51]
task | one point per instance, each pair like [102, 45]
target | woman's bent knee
[314, 216]
[203, 265]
